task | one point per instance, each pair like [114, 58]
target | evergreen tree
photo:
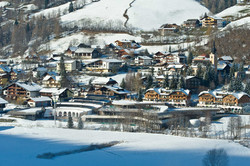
[123, 84]
[231, 86]
[169, 49]
[190, 72]
[71, 7]
[190, 58]
[181, 83]
[206, 78]
[238, 86]
[149, 81]
[232, 70]
[139, 98]
[70, 124]
[152, 71]
[199, 72]
[46, 3]
[80, 123]
[247, 88]
[166, 82]
[173, 83]
[64, 81]
[241, 68]
[16, 22]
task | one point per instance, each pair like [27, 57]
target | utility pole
[54, 100]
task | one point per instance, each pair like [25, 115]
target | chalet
[213, 21]
[51, 81]
[70, 65]
[143, 60]
[104, 81]
[223, 68]
[174, 97]
[191, 23]
[103, 65]
[86, 53]
[39, 71]
[71, 51]
[192, 83]
[228, 101]
[115, 92]
[56, 94]
[2, 104]
[168, 28]
[176, 67]
[39, 102]
[127, 44]
[23, 90]
[13, 74]
[203, 59]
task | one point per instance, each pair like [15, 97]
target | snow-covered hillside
[239, 14]
[144, 14]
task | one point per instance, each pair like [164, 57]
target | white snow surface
[4, 3]
[241, 22]
[23, 140]
[234, 11]
[101, 39]
[156, 13]
[147, 15]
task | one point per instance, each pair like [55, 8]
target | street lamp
[54, 101]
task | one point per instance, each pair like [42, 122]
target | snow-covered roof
[175, 66]
[222, 94]
[226, 58]
[144, 57]
[54, 91]
[189, 77]
[112, 61]
[57, 78]
[84, 50]
[31, 86]
[2, 101]
[103, 80]
[40, 99]
[162, 91]
[117, 89]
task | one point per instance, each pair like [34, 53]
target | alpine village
[66, 70]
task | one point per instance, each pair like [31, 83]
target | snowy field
[23, 140]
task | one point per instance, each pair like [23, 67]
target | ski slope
[143, 14]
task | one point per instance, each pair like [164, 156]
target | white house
[143, 60]
[70, 65]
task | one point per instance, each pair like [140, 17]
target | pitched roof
[84, 50]
[31, 86]
[40, 99]
[222, 94]
[53, 91]
[2, 101]
[145, 57]
[103, 80]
